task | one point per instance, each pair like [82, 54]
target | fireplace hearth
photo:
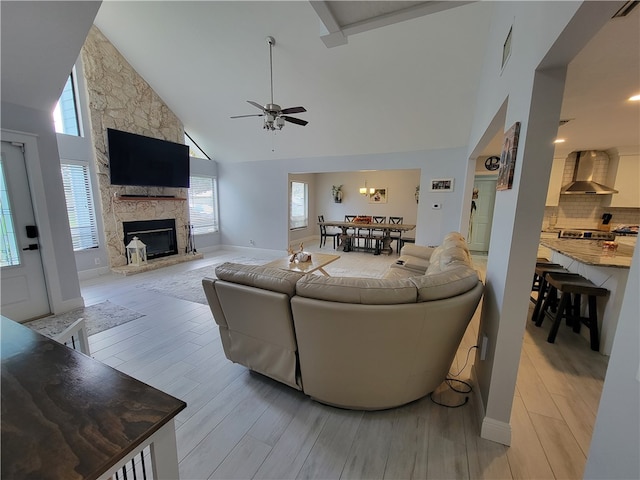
[158, 235]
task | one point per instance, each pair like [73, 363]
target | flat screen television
[147, 162]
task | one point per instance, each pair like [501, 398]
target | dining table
[386, 229]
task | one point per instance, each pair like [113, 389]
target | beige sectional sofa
[362, 343]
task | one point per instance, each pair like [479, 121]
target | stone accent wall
[120, 98]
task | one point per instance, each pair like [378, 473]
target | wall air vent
[564, 122]
[626, 9]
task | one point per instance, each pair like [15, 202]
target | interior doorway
[483, 199]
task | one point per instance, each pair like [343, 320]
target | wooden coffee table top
[318, 260]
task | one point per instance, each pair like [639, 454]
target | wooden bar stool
[543, 291]
[576, 285]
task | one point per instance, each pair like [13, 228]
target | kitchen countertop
[590, 252]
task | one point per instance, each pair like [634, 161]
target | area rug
[188, 285]
[98, 318]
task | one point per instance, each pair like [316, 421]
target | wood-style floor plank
[241, 425]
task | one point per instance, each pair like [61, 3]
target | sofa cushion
[368, 291]
[449, 283]
[418, 251]
[267, 278]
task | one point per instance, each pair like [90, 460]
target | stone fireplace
[159, 236]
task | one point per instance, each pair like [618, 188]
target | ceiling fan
[274, 115]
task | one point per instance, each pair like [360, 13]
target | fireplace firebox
[158, 235]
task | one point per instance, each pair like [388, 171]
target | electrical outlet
[484, 346]
[97, 261]
[436, 206]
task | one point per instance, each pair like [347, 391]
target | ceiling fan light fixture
[275, 116]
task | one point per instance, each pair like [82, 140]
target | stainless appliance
[583, 174]
[578, 234]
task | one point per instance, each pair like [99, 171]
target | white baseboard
[67, 305]
[496, 431]
[237, 248]
[92, 273]
[490, 429]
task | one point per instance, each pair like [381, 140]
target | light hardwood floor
[241, 425]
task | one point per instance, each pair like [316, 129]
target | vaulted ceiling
[375, 77]
[400, 87]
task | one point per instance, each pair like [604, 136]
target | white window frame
[298, 221]
[200, 225]
[76, 105]
[85, 212]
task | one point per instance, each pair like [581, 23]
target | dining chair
[396, 234]
[351, 230]
[324, 234]
[375, 234]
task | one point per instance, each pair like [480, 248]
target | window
[298, 217]
[82, 218]
[65, 115]
[203, 205]
[8, 246]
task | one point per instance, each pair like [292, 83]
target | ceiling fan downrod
[271, 41]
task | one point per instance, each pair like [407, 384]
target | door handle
[32, 246]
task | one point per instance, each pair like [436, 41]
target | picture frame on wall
[508, 158]
[441, 185]
[379, 195]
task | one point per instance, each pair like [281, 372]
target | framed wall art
[379, 195]
[441, 185]
[508, 158]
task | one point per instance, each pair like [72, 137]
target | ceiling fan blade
[253, 115]
[256, 104]
[293, 110]
[297, 121]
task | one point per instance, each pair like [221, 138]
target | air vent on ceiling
[564, 122]
[626, 9]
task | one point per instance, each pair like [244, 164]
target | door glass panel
[9, 255]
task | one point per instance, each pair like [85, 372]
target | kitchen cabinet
[555, 182]
[624, 173]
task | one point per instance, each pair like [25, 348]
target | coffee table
[318, 260]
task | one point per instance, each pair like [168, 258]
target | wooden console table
[67, 416]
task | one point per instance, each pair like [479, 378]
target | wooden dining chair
[396, 234]
[375, 234]
[324, 234]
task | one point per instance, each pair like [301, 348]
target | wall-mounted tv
[147, 162]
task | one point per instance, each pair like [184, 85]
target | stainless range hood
[583, 183]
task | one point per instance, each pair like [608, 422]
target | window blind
[203, 208]
[82, 219]
[298, 217]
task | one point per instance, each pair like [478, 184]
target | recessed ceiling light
[559, 140]
[635, 98]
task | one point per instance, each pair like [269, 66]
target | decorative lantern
[136, 252]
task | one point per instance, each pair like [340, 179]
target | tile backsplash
[585, 211]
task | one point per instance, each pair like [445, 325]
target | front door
[22, 288]
[484, 193]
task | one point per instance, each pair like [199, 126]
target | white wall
[400, 185]
[254, 198]
[45, 180]
[546, 36]
[616, 435]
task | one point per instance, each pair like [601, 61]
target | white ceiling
[403, 87]
[600, 79]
